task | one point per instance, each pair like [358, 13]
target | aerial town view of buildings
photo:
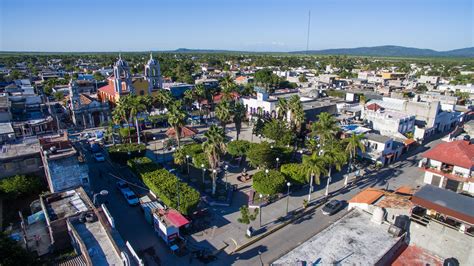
[262, 145]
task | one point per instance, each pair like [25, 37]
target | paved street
[130, 221]
[223, 231]
[404, 172]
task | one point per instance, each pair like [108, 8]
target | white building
[381, 149]
[450, 165]
[388, 122]
[433, 80]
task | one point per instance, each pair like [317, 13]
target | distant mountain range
[385, 50]
[392, 50]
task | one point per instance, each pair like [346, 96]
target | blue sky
[254, 25]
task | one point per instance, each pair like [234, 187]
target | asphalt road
[264, 252]
[129, 220]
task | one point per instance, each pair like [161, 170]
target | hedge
[119, 153]
[142, 165]
[294, 173]
[166, 186]
[269, 184]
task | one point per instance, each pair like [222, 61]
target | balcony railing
[425, 220]
[446, 172]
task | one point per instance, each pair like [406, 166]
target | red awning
[176, 218]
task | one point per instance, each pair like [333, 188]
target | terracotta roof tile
[368, 196]
[108, 89]
[459, 153]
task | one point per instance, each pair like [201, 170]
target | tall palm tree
[163, 99]
[228, 87]
[223, 113]
[335, 157]
[179, 157]
[325, 128]
[214, 147]
[239, 113]
[188, 98]
[176, 118]
[136, 106]
[296, 112]
[282, 108]
[314, 166]
[353, 145]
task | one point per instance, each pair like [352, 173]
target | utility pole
[307, 36]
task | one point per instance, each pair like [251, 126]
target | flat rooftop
[99, 245]
[19, 148]
[352, 240]
[65, 204]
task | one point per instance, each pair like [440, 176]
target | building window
[142, 93]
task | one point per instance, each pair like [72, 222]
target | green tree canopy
[238, 147]
[269, 184]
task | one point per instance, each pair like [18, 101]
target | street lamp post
[156, 155]
[214, 173]
[288, 197]
[225, 175]
[266, 172]
[203, 173]
[261, 205]
[278, 160]
[187, 162]
[163, 150]
[101, 193]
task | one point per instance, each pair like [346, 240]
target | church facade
[85, 110]
[122, 83]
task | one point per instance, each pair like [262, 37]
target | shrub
[18, 185]
[269, 184]
[142, 165]
[119, 153]
[199, 159]
[167, 186]
[294, 173]
[238, 147]
[192, 149]
[123, 132]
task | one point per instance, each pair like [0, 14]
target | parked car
[122, 185]
[99, 157]
[332, 207]
[130, 196]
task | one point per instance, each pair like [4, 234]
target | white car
[99, 157]
[130, 197]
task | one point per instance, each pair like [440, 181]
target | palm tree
[296, 112]
[223, 113]
[136, 106]
[176, 118]
[179, 157]
[188, 98]
[202, 93]
[228, 86]
[163, 99]
[214, 147]
[325, 128]
[282, 108]
[314, 166]
[239, 113]
[353, 145]
[335, 157]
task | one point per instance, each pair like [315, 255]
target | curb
[278, 227]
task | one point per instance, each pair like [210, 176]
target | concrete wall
[20, 166]
[443, 241]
